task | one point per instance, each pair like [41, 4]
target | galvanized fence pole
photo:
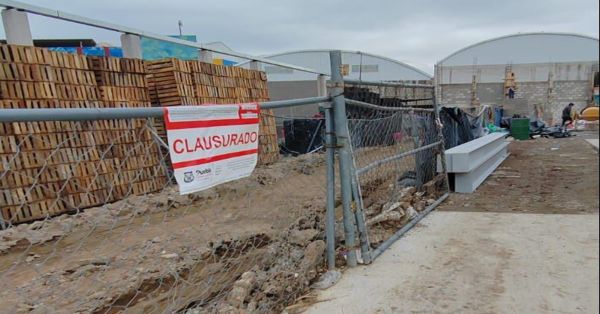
[330, 215]
[343, 146]
[80, 114]
[330, 149]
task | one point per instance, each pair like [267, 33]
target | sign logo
[188, 176]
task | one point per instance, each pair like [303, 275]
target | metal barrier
[395, 151]
[117, 236]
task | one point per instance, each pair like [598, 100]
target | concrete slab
[593, 142]
[457, 262]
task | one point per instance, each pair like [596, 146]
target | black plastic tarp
[303, 135]
[457, 127]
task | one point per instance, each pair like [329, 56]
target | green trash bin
[519, 128]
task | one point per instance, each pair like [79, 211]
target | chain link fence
[92, 223]
[395, 147]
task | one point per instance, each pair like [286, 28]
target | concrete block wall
[531, 72]
[563, 93]
[534, 92]
[490, 93]
[577, 92]
[455, 95]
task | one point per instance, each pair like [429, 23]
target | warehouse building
[287, 83]
[357, 65]
[534, 74]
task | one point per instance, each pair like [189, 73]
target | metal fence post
[330, 149]
[343, 145]
[330, 216]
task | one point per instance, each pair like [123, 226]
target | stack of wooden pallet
[176, 82]
[170, 82]
[121, 82]
[47, 168]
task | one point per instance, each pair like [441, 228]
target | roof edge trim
[348, 51]
[509, 36]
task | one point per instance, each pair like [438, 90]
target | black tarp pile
[302, 135]
[461, 127]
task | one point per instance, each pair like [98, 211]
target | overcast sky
[416, 32]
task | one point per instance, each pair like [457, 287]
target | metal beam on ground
[474, 161]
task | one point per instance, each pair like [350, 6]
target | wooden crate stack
[47, 168]
[171, 82]
[176, 82]
[122, 82]
[29, 80]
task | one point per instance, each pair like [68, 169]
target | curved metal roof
[540, 47]
[406, 65]
[399, 63]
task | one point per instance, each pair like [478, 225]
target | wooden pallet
[49, 168]
[175, 82]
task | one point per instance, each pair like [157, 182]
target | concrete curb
[594, 143]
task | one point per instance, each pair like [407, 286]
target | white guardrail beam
[474, 161]
[34, 9]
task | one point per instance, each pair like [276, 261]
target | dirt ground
[525, 242]
[552, 176]
[252, 245]
[167, 253]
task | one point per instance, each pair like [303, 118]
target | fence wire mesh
[395, 156]
[93, 224]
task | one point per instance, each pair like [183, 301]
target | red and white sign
[213, 144]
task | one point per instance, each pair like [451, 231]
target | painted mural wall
[153, 49]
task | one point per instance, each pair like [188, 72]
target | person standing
[566, 114]
[511, 93]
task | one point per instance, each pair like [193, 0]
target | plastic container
[519, 128]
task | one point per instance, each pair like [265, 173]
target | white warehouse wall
[526, 48]
[551, 70]
[374, 68]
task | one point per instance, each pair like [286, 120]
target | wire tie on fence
[335, 84]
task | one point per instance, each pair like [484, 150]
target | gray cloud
[419, 33]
